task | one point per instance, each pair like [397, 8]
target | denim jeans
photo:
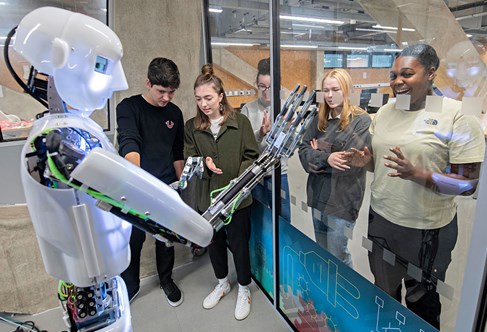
[331, 233]
[263, 193]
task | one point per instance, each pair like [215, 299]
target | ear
[147, 83]
[431, 74]
[220, 97]
[59, 52]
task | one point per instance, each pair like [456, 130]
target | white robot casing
[79, 242]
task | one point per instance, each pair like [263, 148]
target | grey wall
[166, 28]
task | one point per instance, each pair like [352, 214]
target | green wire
[62, 295]
[95, 194]
[216, 191]
[229, 218]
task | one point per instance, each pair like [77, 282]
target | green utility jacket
[233, 151]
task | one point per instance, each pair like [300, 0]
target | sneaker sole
[175, 304]
[242, 318]
[208, 308]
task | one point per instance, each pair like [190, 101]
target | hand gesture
[404, 168]
[266, 124]
[319, 144]
[211, 166]
[338, 161]
[314, 144]
[357, 158]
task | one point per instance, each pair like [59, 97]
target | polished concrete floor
[151, 312]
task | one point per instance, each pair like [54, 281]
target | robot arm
[284, 136]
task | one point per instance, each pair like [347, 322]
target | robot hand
[193, 166]
[282, 140]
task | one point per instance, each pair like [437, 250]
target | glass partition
[18, 109]
[364, 247]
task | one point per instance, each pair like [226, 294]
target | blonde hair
[348, 111]
[207, 76]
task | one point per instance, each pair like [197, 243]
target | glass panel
[311, 33]
[240, 52]
[17, 109]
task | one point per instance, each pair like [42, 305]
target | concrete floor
[151, 312]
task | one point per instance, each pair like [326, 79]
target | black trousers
[236, 237]
[430, 250]
[164, 261]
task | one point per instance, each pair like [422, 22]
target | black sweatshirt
[156, 133]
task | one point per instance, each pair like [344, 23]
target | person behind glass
[421, 159]
[333, 188]
[225, 139]
[151, 135]
[258, 113]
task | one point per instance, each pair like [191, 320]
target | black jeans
[164, 261]
[236, 235]
[429, 250]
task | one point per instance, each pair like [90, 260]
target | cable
[21, 326]
[12, 71]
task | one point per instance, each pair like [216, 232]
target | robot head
[464, 63]
[81, 53]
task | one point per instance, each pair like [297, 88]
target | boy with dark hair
[151, 135]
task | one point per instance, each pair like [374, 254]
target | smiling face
[409, 77]
[208, 100]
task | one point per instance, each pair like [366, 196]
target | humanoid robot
[80, 192]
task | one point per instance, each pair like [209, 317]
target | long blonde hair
[348, 111]
[207, 76]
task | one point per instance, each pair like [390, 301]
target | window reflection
[372, 33]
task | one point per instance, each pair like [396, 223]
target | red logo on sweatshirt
[169, 124]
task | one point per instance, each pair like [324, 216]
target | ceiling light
[297, 33]
[215, 10]
[374, 30]
[378, 26]
[468, 35]
[298, 46]
[308, 26]
[392, 50]
[231, 44]
[471, 16]
[310, 19]
[352, 48]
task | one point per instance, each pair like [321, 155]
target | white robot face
[81, 53]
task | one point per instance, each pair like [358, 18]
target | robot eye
[101, 64]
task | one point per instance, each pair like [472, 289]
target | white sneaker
[215, 296]
[242, 309]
